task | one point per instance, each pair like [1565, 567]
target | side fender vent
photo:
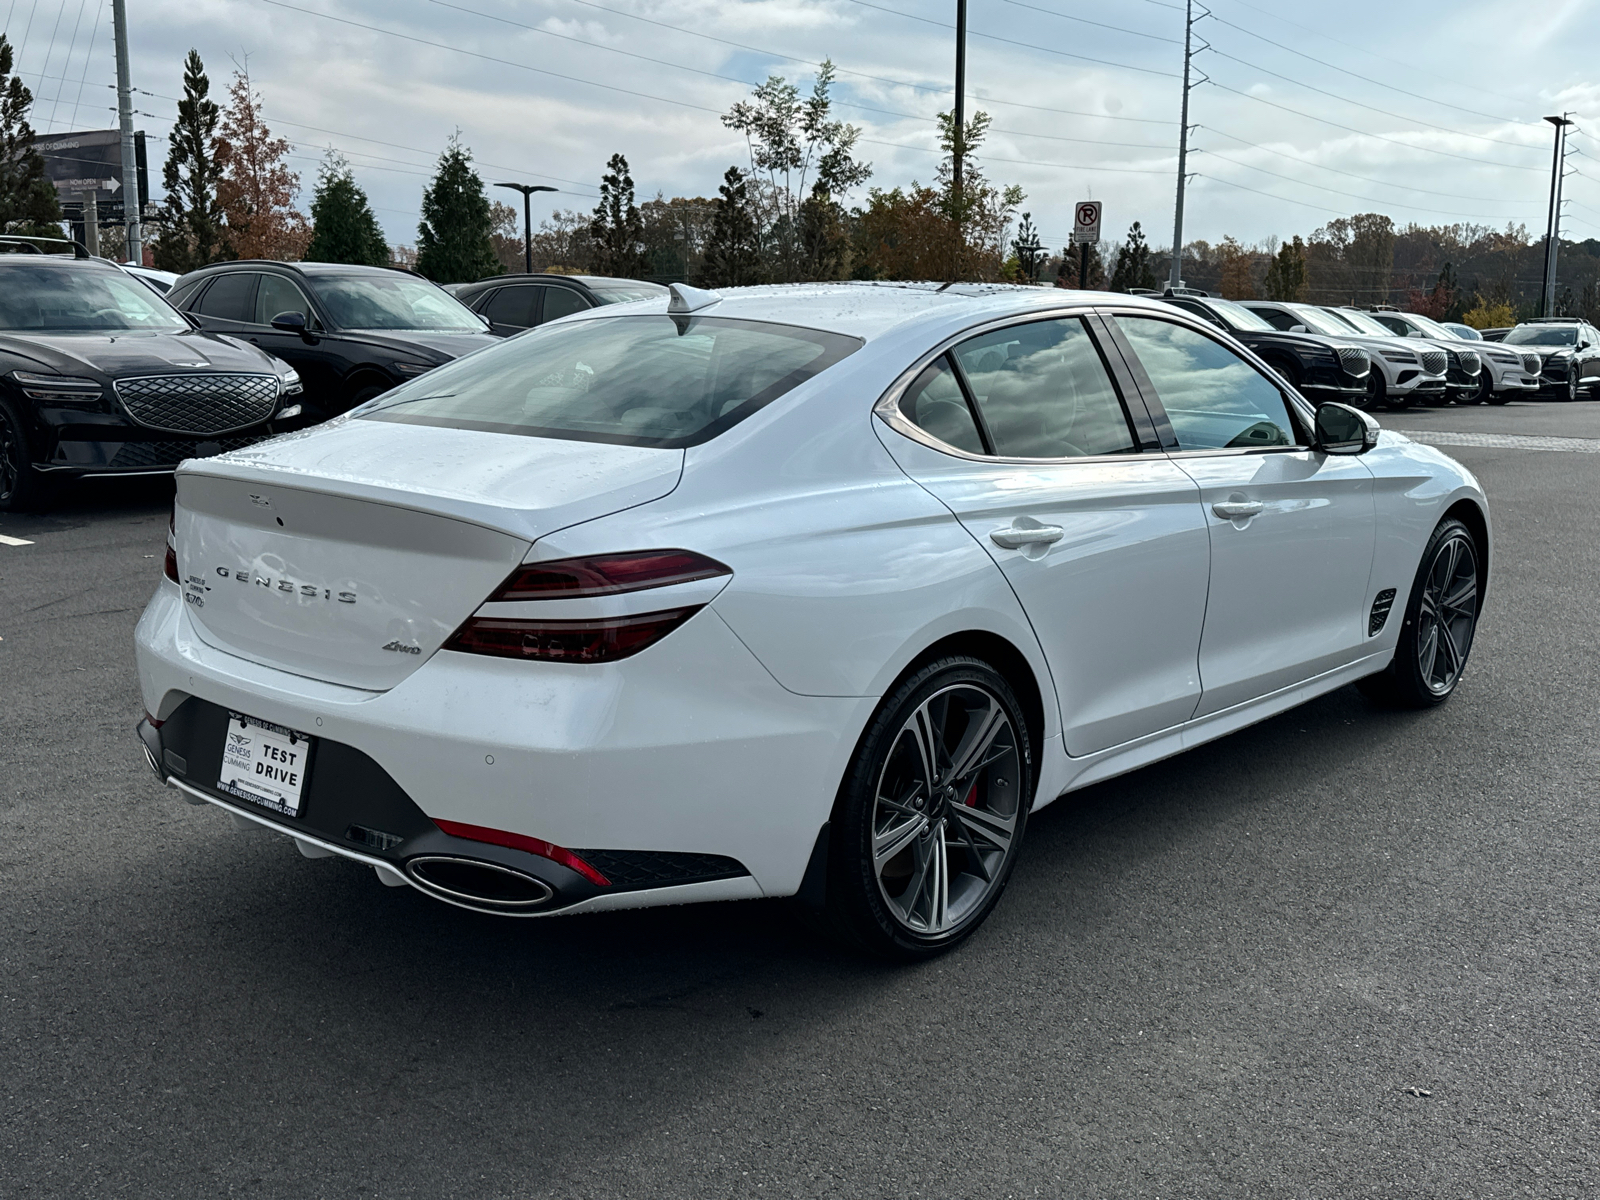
[1381, 605]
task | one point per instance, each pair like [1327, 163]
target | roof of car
[594, 281]
[871, 309]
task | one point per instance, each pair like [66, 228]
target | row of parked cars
[113, 370]
[108, 369]
[1381, 357]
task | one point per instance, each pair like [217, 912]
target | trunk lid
[349, 553]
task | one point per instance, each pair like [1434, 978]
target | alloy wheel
[1449, 613]
[11, 459]
[1572, 384]
[946, 809]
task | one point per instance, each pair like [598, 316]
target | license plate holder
[265, 764]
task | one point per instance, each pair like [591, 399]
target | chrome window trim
[887, 408]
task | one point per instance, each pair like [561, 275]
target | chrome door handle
[1232, 510]
[1018, 536]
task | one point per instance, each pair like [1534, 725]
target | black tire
[1448, 582]
[1495, 397]
[21, 487]
[367, 393]
[1377, 390]
[932, 838]
[1484, 394]
[1569, 389]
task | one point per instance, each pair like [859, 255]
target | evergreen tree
[27, 199]
[1287, 275]
[617, 232]
[1132, 269]
[257, 189]
[1071, 257]
[1029, 251]
[190, 224]
[733, 250]
[453, 238]
[824, 236]
[343, 227]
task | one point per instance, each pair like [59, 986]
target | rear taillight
[607, 574]
[169, 568]
[595, 640]
[518, 841]
[590, 639]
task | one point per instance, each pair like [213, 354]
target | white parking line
[1505, 441]
[11, 541]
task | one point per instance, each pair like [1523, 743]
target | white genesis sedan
[807, 591]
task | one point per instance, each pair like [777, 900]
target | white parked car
[1401, 375]
[1507, 373]
[812, 590]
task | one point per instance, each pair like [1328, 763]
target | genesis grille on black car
[170, 454]
[199, 404]
[1434, 361]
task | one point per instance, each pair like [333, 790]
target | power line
[71, 46]
[1025, 162]
[1349, 174]
[1104, 62]
[1270, 196]
[1370, 108]
[1050, 12]
[1351, 129]
[1357, 75]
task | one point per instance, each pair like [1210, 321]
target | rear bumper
[689, 753]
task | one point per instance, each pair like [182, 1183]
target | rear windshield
[80, 298]
[622, 293]
[634, 381]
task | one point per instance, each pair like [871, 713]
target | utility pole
[1552, 241]
[130, 167]
[960, 143]
[1174, 277]
[527, 190]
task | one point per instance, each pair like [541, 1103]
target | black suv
[1569, 348]
[352, 332]
[512, 303]
[1322, 368]
[99, 376]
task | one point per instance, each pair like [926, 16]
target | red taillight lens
[170, 567]
[595, 640]
[517, 841]
[607, 574]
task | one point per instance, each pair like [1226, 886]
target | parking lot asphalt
[1345, 953]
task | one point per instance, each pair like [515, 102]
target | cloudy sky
[1425, 110]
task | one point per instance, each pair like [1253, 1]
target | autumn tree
[344, 229]
[454, 236]
[616, 232]
[733, 249]
[1133, 268]
[562, 242]
[28, 200]
[505, 234]
[979, 213]
[257, 189]
[1237, 283]
[1092, 279]
[1287, 276]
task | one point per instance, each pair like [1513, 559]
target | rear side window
[1043, 392]
[1214, 399]
[634, 381]
[934, 402]
[517, 306]
[229, 298]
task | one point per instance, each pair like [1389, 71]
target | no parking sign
[1086, 222]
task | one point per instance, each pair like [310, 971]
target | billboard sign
[90, 160]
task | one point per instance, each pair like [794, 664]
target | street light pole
[1547, 295]
[527, 190]
[130, 168]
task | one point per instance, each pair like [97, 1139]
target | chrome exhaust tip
[485, 886]
[155, 767]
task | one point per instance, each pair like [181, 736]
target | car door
[512, 308]
[561, 302]
[1024, 434]
[1292, 530]
[320, 362]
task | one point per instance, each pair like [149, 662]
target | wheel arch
[1472, 516]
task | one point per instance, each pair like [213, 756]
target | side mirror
[1344, 430]
[1298, 329]
[292, 322]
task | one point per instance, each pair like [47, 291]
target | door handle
[1233, 510]
[1032, 534]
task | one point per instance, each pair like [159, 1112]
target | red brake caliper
[972, 797]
